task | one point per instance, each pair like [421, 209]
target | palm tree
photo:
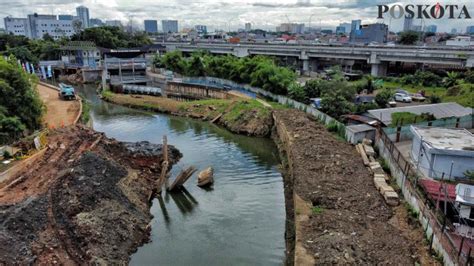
[451, 79]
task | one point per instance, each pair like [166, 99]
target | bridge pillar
[306, 66]
[379, 70]
[470, 61]
[240, 52]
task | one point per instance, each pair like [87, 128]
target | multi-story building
[408, 23]
[95, 22]
[355, 28]
[248, 26]
[297, 28]
[65, 17]
[151, 26]
[340, 30]
[370, 33]
[201, 29]
[17, 26]
[83, 15]
[431, 28]
[169, 26]
[470, 30]
[114, 23]
[346, 26]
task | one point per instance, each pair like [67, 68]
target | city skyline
[227, 14]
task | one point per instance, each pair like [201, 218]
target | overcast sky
[234, 13]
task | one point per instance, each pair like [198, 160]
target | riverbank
[85, 200]
[242, 116]
[339, 216]
[58, 112]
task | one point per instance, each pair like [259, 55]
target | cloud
[229, 13]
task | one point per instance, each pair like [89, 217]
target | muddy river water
[240, 221]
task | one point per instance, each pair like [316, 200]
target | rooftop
[454, 139]
[439, 110]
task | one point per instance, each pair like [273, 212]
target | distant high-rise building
[346, 26]
[340, 30]
[408, 23]
[431, 28]
[95, 22]
[355, 28]
[169, 26]
[295, 28]
[201, 29]
[416, 28]
[83, 15]
[151, 26]
[65, 17]
[377, 32]
[114, 23]
[248, 26]
[470, 30]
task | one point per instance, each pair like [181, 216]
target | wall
[195, 91]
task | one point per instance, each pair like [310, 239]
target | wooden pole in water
[164, 166]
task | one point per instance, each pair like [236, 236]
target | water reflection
[240, 221]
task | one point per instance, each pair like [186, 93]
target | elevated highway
[377, 57]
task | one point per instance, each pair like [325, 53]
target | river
[241, 220]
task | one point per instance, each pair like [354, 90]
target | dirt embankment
[59, 112]
[85, 201]
[241, 116]
[340, 216]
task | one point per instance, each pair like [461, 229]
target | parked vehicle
[418, 97]
[404, 92]
[66, 92]
[400, 97]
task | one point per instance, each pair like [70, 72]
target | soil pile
[349, 222]
[85, 201]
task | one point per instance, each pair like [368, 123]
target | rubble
[86, 202]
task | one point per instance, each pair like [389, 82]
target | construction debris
[182, 177]
[206, 177]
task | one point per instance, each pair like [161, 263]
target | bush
[469, 76]
[383, 97]
[6, 155]
[434, 98]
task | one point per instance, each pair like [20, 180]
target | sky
[233, 14]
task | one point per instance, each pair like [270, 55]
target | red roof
[432, 188]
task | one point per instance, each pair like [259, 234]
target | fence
[437, 227]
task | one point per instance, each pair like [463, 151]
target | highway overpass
[378, 57]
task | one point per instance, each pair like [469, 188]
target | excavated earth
[85, 201]
[350, 223]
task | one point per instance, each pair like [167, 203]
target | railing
[440, 225]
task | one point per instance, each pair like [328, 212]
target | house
[439, 110]
[356, 133]
[81, 54]
[462, 41]
[465, 206]
[442, 153]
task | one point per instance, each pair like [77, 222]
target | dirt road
[59, 113]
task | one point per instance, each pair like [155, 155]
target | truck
[66, 92]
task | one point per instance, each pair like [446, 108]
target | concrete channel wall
[428, 222]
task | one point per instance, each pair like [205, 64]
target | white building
[248, 26]
[36, 26]
[442, 150]
[460, 41]
[17, 26]
[83, 15]
[465, 206]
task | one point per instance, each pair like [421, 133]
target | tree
[451, 79]
[297, 93]
[47, 37]
[383, 97]
[22, 53]
[409, 37]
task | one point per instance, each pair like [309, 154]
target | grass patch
[317, 210]
[86, 108]
[462, 93]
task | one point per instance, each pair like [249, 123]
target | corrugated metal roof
[439, 110]
[360, 128]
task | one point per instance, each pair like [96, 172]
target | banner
[27, 67]
[50, 73]
[23, 66]
[43, 72]
[32, 69]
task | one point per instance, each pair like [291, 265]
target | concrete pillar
[305, 66]
[379, 70]
[374, 70]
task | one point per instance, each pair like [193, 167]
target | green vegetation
[385, 166]
[112, 37]
[469, 174]
[317, 210]
[86, 108]
[6, 155]
[20, 105]
[28, 50]
[409, 37]
[407, 118]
